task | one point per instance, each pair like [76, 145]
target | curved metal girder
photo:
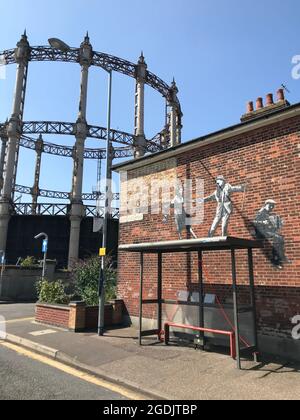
[67, 151]
[47, 209]
[99, 59]
[158, 84]
[54, 194]
[112, 63]
[66, 128]
[163, 143]
[21, 189]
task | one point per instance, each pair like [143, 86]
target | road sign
[102, 252]
[45, 246]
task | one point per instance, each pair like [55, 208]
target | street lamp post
[45, 248]
[58, 44]
[107, 210]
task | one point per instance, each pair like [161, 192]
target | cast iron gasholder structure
[16, 133]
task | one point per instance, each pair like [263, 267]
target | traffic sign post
[44, 250]
[102, 252]
[107, 212]
[45, 246]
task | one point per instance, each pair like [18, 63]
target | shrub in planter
[29, 262]
[52, 292]
[86, 278]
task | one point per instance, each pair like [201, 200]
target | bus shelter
[230, 244]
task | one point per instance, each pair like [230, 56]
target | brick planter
[113, 314]
[56, 315]
[77, 316]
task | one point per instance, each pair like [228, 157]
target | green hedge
[86, 277]
[52, 292]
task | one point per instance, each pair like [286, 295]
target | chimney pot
[280, 95]
[250, 107]
[259, 103]
[270, 100]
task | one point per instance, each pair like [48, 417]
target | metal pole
[235, 309]
[201, 295]
[43, 235]
[159, 294]
[106, 212]
[141, 297]
[44, 266]
[253, 300]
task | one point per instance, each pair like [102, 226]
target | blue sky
[221, 53]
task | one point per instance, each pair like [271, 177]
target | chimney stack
[259, 103]
[280, 95]
[270, 106]
[269, 99]
[250, 107]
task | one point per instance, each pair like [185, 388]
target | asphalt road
[17, 310]
[23, 378]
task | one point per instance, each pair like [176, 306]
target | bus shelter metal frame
[198, 245]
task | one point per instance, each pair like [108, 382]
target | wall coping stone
[53, 306]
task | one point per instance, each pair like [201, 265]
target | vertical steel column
[159, 293]
[253, 300]
[178, 126]
[235, 309]
[2, 160]
[77, 208]
[174, 114]
[141, 297]
[165, 137]
[173, 140]
[22, 54]
[20, 119]
[139, 112]
[201, 295]
[35, 189]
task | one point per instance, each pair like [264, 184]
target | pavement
[157, 371]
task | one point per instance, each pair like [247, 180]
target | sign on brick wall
[145, 189]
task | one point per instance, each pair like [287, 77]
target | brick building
[261, 153]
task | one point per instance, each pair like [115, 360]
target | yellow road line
[75, 372]
[11, 321]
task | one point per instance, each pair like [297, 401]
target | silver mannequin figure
[268, 226]
[222, 196]
[179, 213]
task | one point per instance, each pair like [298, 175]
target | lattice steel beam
[21, 189]
[46, 209]
[59, 150]
[99, 59]
[64, 128]
[109, 63]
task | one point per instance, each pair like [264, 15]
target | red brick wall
[91, 316]
[58, 317]
[268, 160]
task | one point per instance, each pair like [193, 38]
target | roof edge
[244, 127]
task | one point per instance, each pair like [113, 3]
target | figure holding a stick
[222, 196]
